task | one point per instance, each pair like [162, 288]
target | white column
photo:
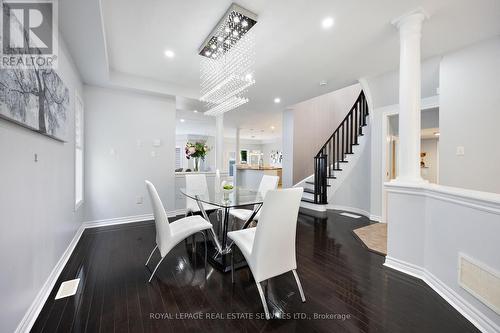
[219, 142]
[410, 27]
[238, 157]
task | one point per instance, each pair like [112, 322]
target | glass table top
[236, 198]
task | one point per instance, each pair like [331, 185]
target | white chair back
[163, 233]
[268, 183]
[197, 184]
[273, 250]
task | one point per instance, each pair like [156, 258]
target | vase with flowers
[197, 151]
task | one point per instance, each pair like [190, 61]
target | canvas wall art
[36, 99]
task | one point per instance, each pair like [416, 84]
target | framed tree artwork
[36, 99]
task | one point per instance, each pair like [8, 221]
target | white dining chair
[197, 184]
[168, 235]
[267, 183]
[269, 248]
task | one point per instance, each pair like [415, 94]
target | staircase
[333, 156]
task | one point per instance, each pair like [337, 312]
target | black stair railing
[338, 145]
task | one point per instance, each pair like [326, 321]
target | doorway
[429, 146]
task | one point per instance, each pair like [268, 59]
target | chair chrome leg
[158, 265]
[299, 285]
[149, 258]
[263, 299]
[232, 264]
[206, 253]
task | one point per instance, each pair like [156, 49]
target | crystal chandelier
[228, 57]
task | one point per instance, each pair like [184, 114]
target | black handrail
[339, 144]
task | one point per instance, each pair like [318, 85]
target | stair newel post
[320, 180]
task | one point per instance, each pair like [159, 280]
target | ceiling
[293, 52]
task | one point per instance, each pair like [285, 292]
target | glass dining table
[219, 248]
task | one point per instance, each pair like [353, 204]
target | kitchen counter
[244, 167]
[250, 176]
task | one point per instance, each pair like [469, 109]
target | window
[79, 162]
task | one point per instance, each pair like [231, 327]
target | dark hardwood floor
[342, 281]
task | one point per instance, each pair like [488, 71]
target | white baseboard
[128, 219]
[311, 206]
[349, 209]
[478, 319]
[36, 306]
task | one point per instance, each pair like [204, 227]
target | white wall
[470, 116]
[37, 214]
[430, 226]
[314, 122]
[384, 88]
[354, 191]
[121, 127]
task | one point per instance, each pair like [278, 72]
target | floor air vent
[481, 281]
[67, 288]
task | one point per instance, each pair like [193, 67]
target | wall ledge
[485, 201]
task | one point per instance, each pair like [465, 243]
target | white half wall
[469, 116]
[37, 205]
[123, 132]
[429, 226]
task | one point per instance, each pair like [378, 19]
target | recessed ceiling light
[323, 83]
[182, 120]
[277, 100]
[272, 128]
[327, 22]
[169, 54]
[195, 111]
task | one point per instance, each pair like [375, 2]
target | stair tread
[308, 200]
[309, 190]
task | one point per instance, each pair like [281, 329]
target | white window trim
[78, 100]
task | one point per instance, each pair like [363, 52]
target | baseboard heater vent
[481, 281]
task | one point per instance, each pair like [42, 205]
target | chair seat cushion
[184, 228]
[244, 240]
[244, 214]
